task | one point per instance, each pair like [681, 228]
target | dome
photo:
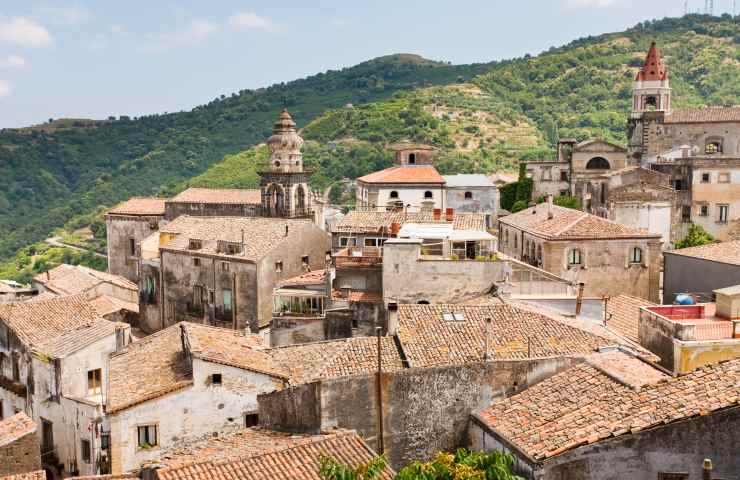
[285, 139]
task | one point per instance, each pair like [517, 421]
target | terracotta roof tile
[587, 403]
[704, 115]
[296, 462]
[316, 277]
[57, 325]
[218, 195]
[405, 174]
[570, 224]
[36, 475]
[139, 206]
[365, 221]
[336, 358]
[67, 279]
[428, 338]
[624, 315]
[365, 297]
[725, 252]
[16, 427]
[105, 305]
[261, 235]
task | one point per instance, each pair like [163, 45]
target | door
[470, 250]
[47, 436]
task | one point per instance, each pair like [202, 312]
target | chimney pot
[437, 214]
[450, 214]
[550, 213]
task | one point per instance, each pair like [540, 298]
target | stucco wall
[485, 200]
[201, 409]
[426, 410]
[119, 230]
[380, 195]
[715, 193]
[407, 278]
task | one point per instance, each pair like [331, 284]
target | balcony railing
[359, 257]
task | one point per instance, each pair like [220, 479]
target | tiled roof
[588, 403]
[139, 206]
[158, 364]
[261, 235]
[218, 195]
[336, 358]
[405, 174]
[15, 427]
[316, 277]
[147, 369]
[429, 339]
[725, 252]
[75, 340]
[704, 115]
[36, 475]
[296, 462]
[231, 347]
[570, 224]
[105, 304]
[56, 325]
[623, 315]
[365, 297]
[365, 221]
[72, 279]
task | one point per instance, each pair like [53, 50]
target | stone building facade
[609, 258]
[20, 448]
[222, 270]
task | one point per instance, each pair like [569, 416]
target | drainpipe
[379, 388]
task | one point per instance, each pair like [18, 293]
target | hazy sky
[92, 59]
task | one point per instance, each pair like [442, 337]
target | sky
[93, 59]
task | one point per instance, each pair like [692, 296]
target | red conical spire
[654, 68]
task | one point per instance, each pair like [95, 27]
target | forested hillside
[481, 117]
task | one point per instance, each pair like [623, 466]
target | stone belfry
[651, 101]
[284, 182]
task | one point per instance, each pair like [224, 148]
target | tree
[518, 206]
[695, 237]
[330, 469]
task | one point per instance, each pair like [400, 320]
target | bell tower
[651, 101]
[284, 181]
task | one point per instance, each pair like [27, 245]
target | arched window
[652, 103]
[574, 257]
[412, 159]
[598, 163]
[713, 145]
[468, 195]
[394, 194]
[428, 194]
[636, 255]
[423, 302]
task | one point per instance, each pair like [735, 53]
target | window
[713, 146]
[16, 368]
[705, 178]
[216, 379]
[704, 211]
[198, 294]
[686, 214]
[147, 436]
[347, 242]
[195, 244]
[394, 194]
[723, 211]
[412, 159]
[132, 246]
[574, 257]
[85, 450]
[374, 242]
[94, 384]
[278, 267]
[251, 420]
[428, 194]
[225, 266]
[306, 261]
[227, 297]
[598, 163]
[211, 297]
[636, 255]
[468, 195]
[723, 177]
[104, 441]
[563, 176]
[196, 262]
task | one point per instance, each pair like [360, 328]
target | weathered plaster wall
[407, 278]
[175, 209]
[120, 229]
[21, 456]
[485, 200]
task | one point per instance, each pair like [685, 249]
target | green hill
[481, 117]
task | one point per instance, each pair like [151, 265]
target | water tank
[684, 299]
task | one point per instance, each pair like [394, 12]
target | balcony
[359, 257]
[695, 322]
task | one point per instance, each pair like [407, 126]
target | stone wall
[21, 456]
[425, 410]
[409, 278]
[176, 209]
[120, 231]
[677, 447]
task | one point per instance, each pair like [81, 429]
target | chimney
[550, 213]
[437, 214]
[286, 229]
[728, 303]
[149, 471]
[395, 228]
[450, 214]
[392, 326]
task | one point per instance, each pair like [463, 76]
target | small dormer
[409, 154]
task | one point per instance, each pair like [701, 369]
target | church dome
[285, 139]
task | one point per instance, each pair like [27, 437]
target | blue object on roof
[684, 299]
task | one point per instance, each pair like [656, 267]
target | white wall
[189, 413]
[409, 195]
[654, 217]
